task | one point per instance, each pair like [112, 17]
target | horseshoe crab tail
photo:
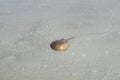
[70, 38]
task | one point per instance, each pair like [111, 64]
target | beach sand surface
[27, 27]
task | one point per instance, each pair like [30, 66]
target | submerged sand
[27, 27]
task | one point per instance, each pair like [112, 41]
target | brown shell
[60, 45]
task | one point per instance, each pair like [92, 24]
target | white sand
[27, 27]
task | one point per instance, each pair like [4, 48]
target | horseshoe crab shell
[60, 45]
